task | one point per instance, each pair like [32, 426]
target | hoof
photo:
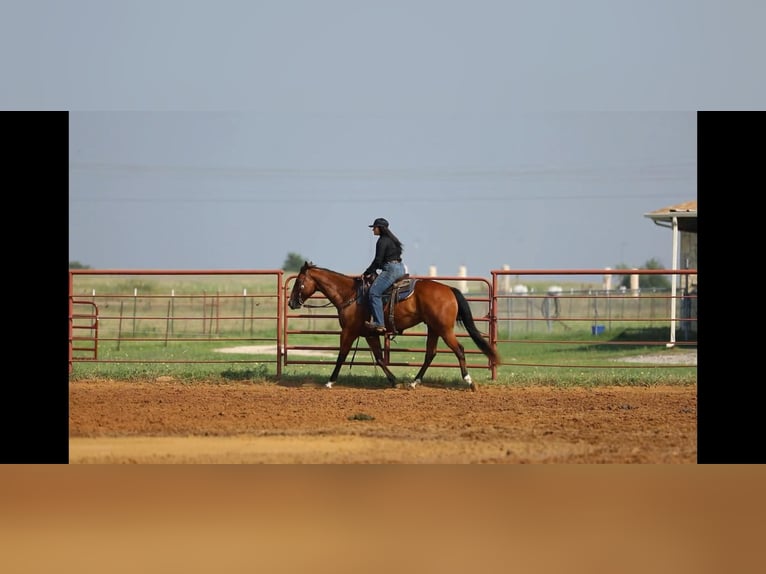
[328, 384]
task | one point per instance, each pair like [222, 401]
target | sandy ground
[273, 423]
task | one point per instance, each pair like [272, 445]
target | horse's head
[304, 287]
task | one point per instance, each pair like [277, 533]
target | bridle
[301, 300]
[300, 295]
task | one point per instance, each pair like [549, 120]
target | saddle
[399, 290]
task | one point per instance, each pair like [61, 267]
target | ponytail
[386, 231]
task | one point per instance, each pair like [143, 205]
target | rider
[388, 258]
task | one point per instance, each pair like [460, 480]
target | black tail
[465, 318]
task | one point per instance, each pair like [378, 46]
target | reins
[317, 306]
[329, 303]
[351, 301]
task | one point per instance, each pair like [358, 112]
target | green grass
[579, 360]
[225, 317]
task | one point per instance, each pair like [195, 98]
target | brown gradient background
[659, 519]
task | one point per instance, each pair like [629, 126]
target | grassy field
[577, 360]
[177, 326]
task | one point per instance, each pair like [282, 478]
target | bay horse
[437, 305]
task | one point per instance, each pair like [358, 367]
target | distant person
[388, 258]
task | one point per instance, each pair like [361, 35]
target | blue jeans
[388, 275]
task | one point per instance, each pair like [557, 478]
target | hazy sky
[242, 190]
[228, 134]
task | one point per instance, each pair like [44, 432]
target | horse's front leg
[432, 340]
[374, 343]
[345, 346]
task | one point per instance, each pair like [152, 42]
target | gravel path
[669, 358]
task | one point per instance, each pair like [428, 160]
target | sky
[205, 190]
[229, 134]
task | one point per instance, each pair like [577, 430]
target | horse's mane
[312, 266]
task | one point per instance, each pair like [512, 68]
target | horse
[437, 305]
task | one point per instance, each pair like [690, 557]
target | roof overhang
[685, 214]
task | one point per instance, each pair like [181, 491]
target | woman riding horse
[388, 258]
[437, 305]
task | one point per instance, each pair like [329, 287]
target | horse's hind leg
[431, 341]
[457, 348]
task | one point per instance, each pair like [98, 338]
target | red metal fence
[548, 313]
[230, 310]
[173, 309]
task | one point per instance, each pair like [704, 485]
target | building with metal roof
[681, 219]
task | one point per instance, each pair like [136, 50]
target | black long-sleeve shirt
[385, 250]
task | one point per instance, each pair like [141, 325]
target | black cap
[379, 222]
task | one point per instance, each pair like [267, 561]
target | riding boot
[373, 327]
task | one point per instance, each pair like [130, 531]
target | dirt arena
[166, 421]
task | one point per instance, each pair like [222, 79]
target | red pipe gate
[154, 316]
[161, 310]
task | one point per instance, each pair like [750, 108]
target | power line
[318, 198]
[648, 171]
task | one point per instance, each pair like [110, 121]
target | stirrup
[373, 327]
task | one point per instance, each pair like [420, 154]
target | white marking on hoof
[413, 384]
[328, 384]
[468, 380]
